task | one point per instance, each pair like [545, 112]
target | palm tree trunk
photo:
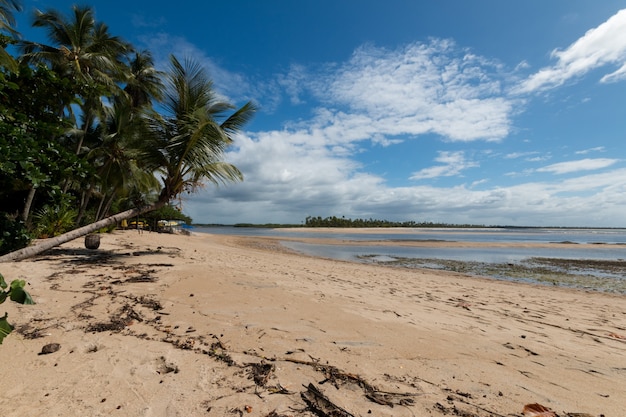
[109, 203]
[99, 213]
[28, 204]
[46, 244]
[84, 203]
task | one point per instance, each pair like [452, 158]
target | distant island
[343, 222]
[334, 221]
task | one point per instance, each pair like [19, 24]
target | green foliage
[16, 293]
[54, 219]
[167, 212]
[33, 151]
[77, 124]
[13, 235]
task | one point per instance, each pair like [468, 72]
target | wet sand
[170, 325]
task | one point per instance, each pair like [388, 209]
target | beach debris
[260, 372]
[337, 377]
[538, 410]
[616, 336]
[218, 351]
[275, 414]
[464, 304]
[50, 348]
[165, 367]
[125, 316]
[279, 389]
[321, 405]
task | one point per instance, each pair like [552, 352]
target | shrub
[15, 292]
[13, 235]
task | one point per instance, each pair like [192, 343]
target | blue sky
[457, 111]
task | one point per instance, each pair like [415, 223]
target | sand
[205, 325]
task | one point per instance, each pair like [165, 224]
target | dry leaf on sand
[537, 410]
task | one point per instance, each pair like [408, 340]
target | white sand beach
[205, 325]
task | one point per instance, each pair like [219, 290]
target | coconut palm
[83, 50]
[143, 81]
[116, 158]
[7, 22]
[185, 145]
[112, 152]
[80, 47]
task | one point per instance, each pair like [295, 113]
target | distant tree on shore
[334, 221]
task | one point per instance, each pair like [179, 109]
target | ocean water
[615, 238]
[582, 267]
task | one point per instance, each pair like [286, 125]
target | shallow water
[508, 263]
[615, 237]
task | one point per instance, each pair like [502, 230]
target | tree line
[91, 133]
[334, 221]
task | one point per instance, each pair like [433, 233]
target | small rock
[50, 348]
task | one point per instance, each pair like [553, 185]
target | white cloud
[591, 200]
[516, 155]
[383, 97]
[419, 89]
[452, 163]
[292, 82]
[602, 46]
[586, 151]
[580, 165]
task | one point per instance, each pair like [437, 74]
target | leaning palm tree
[185, 146]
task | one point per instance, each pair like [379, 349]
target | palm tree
[7, 21]
[83, 50]
[143, 81]
[81, 47]
[116, 158]
[111, 152]
[185, 145]
[7, 7]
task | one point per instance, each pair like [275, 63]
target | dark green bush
[13, 234]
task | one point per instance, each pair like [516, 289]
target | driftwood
[336, 376]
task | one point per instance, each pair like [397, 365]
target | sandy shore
[169, 325]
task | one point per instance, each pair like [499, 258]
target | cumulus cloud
[422, 88]
[602, 46]
[382, 97]
[588, 200]
[580, 165]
